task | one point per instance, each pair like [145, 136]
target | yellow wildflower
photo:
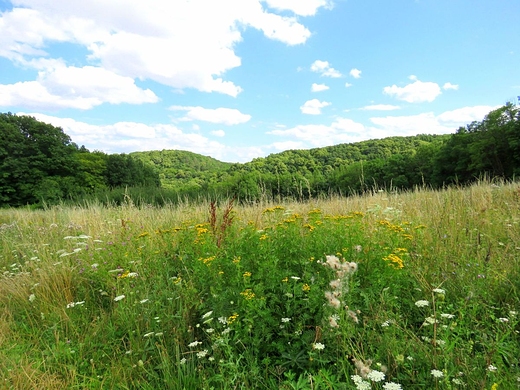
[232, 318]
[247, 274]
[248, 294]
[306, 287]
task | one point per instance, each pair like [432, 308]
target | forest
[40, 165]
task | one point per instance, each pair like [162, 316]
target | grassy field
[389, 291]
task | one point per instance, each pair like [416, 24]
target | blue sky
[240, 79]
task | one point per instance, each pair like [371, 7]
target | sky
[241, 79]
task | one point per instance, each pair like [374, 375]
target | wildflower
[183, 361]
[286, 319]
[376, 376]
[222, 320]
[333, 301]
[494, 386]
[159, 334]
[333, 262]
[353, 315]
[232, 318]
[148, 334]
[422, 303]
[458, 381]
[392, 386]
[318, 346]
[491, 368]
[194, 343]
[449, 316]
[143, 300]
[437, 373]
[119, 297]
[500, 319]
[247, 274]
[333, 321]
[201, 354]
[386, 324]
[32, 297]
[335, 284]
[360, 383]
[295, 277]
[306, 287]
[248, 294]
[439, 291]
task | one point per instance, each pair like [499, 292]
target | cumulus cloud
[218, 133]
[342, 130]
[73, 87]
[448, 86]
[347, 85]
[181, 44]
[345, 130]
[299, 7]
[226, 116]
[126, 137]
[465, 115]
[319, 87]
[324, 68]
[356, 73]
[416, 92]
[313, 107]
[380, 107]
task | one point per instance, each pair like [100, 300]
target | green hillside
[179, 167]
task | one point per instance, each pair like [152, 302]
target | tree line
[39, 163]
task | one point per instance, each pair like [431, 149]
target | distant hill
[177, 168]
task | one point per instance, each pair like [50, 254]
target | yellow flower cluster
[208, 260]
[248, 294]
[143, 234]
[272, 209]
[309, 226]
[306, 287]
[247, 274]
[232, 318]
[391, 226]
[394, 260]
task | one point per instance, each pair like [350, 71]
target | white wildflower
[318, 346]
[422, 303]
[491, 368]
[194, 343]
[285, 319]
[209, 313]
[203, 353]
[119, 297]
[437, 373]
[392, 386]
[446, 315]
[376, 376]
[32, 297]
[439, 291]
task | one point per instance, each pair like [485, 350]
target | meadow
[418, 290]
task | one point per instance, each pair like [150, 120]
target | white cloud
[319, 87]
[342, 130]
[181, 44]
[313, 107]
[347, 85]
[126, 137]
[299, 7]
[72, 87]
[356, 73]
[324, 68]
[447, 86]
[218, 133]
[416, 92]
[227, 116]
[465, 115]
[380, 107]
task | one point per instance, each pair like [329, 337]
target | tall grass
[383, 291]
